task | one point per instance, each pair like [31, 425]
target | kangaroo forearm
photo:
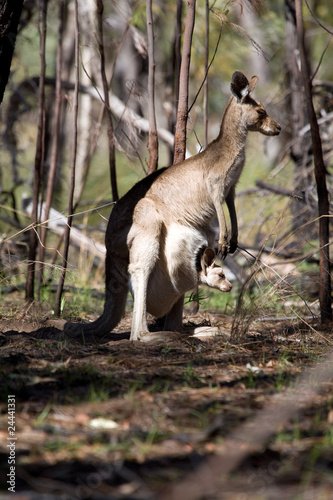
[223, 236]
[230, 200]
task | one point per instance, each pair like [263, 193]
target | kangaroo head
[212, 275]
[255, 117]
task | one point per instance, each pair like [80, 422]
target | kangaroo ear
[239, 86]
[207, 259]
[253, 82]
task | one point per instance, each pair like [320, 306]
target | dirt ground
[112, 419]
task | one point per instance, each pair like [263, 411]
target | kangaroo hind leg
[144, 244]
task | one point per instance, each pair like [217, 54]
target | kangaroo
[158, 229]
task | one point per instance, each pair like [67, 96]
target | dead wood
[280, 190]
[57, 223]
[117, 107]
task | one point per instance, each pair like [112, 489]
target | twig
[207, 70]
[321, 57]
[283, 318]
[316, 19]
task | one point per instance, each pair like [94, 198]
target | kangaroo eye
[262, 113]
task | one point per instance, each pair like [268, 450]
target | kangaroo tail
[116, 290]
[114, 309]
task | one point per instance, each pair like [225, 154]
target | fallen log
[57, 223]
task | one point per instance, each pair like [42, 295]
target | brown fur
[157, 229]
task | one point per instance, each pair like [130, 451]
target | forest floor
[113, 419]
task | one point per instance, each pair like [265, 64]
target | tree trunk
[57, 306]
[39, 158]
[55, 149]
[87, 11]
[112, 155]
[180, 134]
[320, 174]
[173, 79]
[10, 13]
[153, 138]
[302, 212]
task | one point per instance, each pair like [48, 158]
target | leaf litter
[108, 418]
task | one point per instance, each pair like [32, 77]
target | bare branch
[279, 190]
[241, 32]
[207, 70]
[317, 20]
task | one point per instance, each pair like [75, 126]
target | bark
[39, 158]
[173, 79]
[153, 137]
[10, 13]
[320, 175]
[180, 134]
[112, 155]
